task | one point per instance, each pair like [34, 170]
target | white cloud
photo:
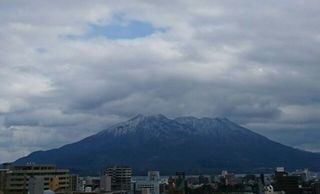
[255, 62]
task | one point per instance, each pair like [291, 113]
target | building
[3, 173]
[105, 183]
[36, 185]
[150, 185]
[89, 183]
[178, 184]
[316, 187]
[145, 191]
[285, 182]
[154, 175]
[203, 179]
[120, 177]
[73, 183]
[228, 178]
[303, 174]
[15, 178]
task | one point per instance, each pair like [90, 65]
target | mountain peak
[141, 117]
[158, 125]
[143, 124]
[212, 126]
[194, 144]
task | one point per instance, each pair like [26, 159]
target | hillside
[194, 145]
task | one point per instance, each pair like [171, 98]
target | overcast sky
[71, 68]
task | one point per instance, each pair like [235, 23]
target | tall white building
[150, 185]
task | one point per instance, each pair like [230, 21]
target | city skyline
[39, 179]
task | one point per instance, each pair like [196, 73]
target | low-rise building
[15, 179]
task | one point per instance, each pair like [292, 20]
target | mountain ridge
[195, 145]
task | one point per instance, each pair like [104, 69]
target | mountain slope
[187, 143]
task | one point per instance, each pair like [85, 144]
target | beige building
[15, 179]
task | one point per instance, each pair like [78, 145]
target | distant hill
[206, 145]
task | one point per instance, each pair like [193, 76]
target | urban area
[48, 179]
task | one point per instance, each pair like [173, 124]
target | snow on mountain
[195, 145]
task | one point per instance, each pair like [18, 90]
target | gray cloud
[254, 62]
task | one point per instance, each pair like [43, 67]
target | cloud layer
[254, 62]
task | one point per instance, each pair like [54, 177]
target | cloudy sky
[71, 68]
